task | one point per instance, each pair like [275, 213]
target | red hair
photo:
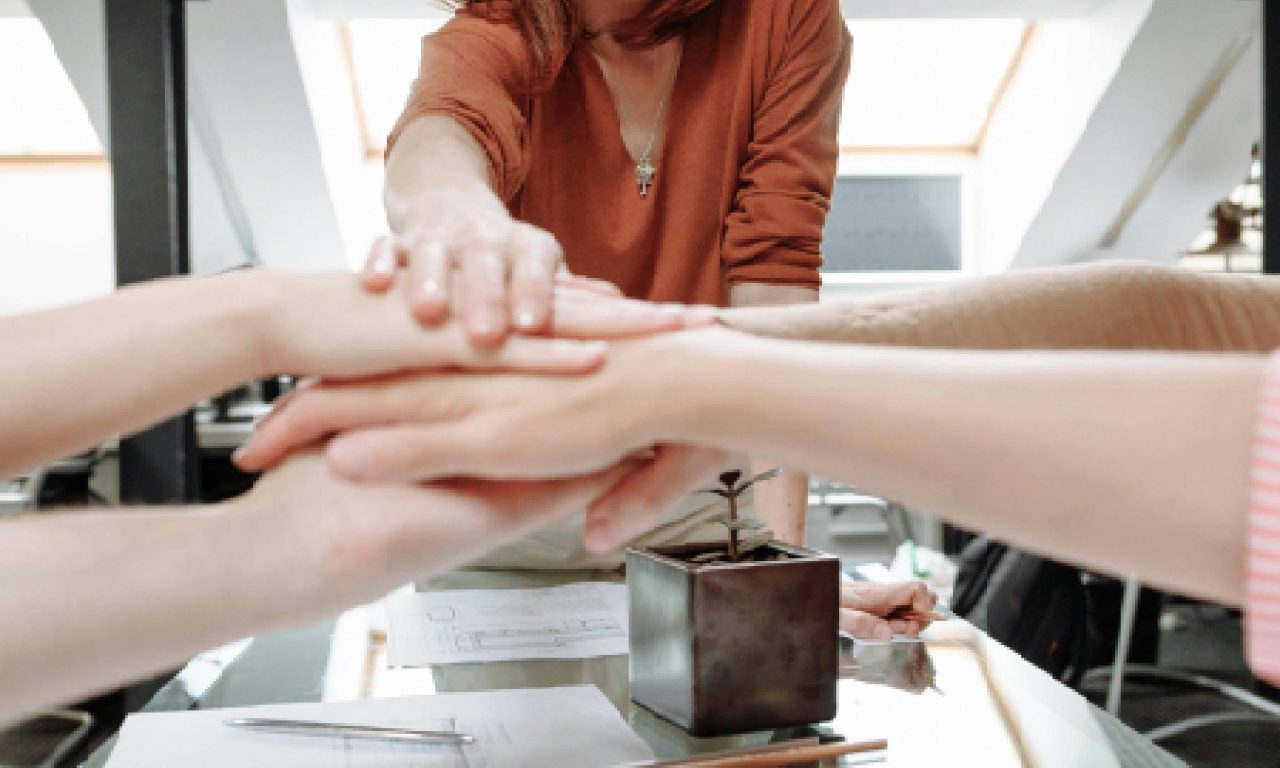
[551, 26]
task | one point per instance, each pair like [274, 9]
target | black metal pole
[146, 77]
[1270, 132]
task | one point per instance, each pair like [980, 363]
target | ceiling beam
[77, 30]
[1142, 115]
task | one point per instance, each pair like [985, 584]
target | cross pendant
[644, 175]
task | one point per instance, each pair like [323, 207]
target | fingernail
[526, 318]
[383, 264]
[239, 453]
[701, 315]
[483, 326]
[432, 289]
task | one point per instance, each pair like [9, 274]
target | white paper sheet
[537, 728]
[575, 621]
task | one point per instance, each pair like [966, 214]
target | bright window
[926, 83]
[915, 84]
[43, 113]
[384, 58]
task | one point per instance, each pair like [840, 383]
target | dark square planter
[731, 648]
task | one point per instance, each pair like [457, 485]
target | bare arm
[150, 588]
[86, 372]
[1099, 306]
[95, 600]
[1137, 464]
[149, 351]
[434, 160]
[783, 501]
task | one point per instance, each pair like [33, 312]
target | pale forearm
[1136, 464]
[434, 156]
[81, 373]
[782, 502]
[150, 588]
[1098, 306]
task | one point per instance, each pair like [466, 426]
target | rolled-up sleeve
[1262, 591]
[476, 69]
[773, 234]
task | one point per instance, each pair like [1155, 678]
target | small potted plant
[736, 635]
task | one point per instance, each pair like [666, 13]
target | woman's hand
[463, 250]
[875, 611]
[341, 543]
[326, 325]
[419, 427]
[412, 427]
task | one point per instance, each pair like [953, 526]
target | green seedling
[731, 489]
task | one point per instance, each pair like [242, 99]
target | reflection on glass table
[931, 701]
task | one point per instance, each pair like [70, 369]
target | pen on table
[923, 616]
[307, 728]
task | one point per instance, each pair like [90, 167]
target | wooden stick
[927, 618]
[779, 757]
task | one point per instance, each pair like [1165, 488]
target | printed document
[575, 621]
[537, 727]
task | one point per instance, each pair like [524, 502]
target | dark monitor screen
[893, 224]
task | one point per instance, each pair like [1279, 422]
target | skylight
[926, 83]
[44, 115]
[384, 54]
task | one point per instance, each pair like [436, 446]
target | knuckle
[382, 456]
[430, 252]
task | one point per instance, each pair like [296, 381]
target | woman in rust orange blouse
[681, 150]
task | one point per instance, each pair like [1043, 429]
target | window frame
[55, 158]
[964, 165]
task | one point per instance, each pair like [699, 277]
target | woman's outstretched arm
[95, 600]
[119, 363]
[122, 362]
[1114, 305]
[1135, 463]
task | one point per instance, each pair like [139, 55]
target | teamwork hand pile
[537, 423]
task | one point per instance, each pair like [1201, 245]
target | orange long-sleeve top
[747, 164]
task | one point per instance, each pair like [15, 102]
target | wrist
[246, 305]
[287, 580]
[683, 380]
[443, 201]
[265, 319]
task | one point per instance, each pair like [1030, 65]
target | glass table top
[929, 699]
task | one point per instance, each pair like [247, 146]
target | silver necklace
[645, 170]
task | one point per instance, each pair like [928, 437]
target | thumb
[649, 493]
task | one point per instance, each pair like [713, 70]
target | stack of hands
[525, 394]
